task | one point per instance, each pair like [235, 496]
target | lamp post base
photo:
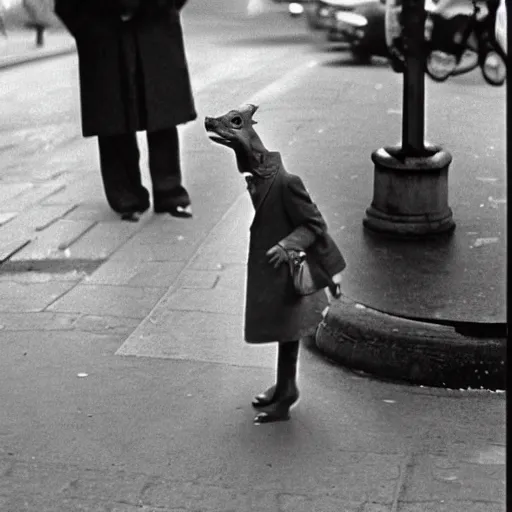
[410, 193]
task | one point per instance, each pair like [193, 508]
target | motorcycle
[460, 36]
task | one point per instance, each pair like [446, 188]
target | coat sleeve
[304, 215]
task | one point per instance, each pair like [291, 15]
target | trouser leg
[287, 359]
[119, 162]
[165, 170]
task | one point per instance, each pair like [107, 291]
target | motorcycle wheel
[434, 74]
[500, 67]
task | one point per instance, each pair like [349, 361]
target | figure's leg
[169, 195]
[267, 397]
[286, 392]
[119, 162]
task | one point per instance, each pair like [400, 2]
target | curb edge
[416, 352]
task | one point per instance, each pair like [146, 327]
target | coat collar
[270, 166]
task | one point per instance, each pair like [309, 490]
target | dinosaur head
[235, 130]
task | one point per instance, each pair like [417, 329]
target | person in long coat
[133, 77]
[285, 220]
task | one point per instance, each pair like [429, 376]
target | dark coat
[285, 214]
[133, 74]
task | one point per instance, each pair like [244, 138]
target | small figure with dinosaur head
[285, 221]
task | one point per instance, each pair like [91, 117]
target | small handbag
[302, 276]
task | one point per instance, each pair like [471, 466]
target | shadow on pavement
[275, 40]
[349, 61]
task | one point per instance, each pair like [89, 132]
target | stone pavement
[124, 379]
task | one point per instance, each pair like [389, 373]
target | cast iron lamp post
[410, 193]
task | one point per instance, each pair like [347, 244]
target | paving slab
[26, 297]
[202, 279]
[103, 238]
[42, 321]
[10, 190]
[95, 211]
[177, 250]
[196, 336]
[217, 300]
[124, 301]
[11, 244]
[53, 242]
[151, 273]
[36, 219]
[106, 324]
[228, 243]
[6, 217]
[32, 196]
[76, 192]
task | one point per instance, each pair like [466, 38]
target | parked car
[363, 29]
[358, 23]
[319, 13]
[296, 8]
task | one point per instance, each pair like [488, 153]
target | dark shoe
[176, 202]
[279, 410]
[133, 214]
[130, 216]
[264, 399]
[184, 212]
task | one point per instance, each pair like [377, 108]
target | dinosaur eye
[236, 121]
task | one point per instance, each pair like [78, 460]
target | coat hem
[302, 334]
[97, 133]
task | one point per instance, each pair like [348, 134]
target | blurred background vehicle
[296, 8]
[457, 28]
[358, 24]
[362, 28]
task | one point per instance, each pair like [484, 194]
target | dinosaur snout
[209, 123]
[217, 133]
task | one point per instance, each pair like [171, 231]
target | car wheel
[361, 56]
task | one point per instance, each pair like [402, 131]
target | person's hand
[277, 255]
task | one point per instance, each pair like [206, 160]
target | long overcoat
[109, 49]
[285, 214]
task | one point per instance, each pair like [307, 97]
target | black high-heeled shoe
[264, 399]
[279, 410]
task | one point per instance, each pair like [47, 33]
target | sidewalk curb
[35, 56]
[396, 348]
